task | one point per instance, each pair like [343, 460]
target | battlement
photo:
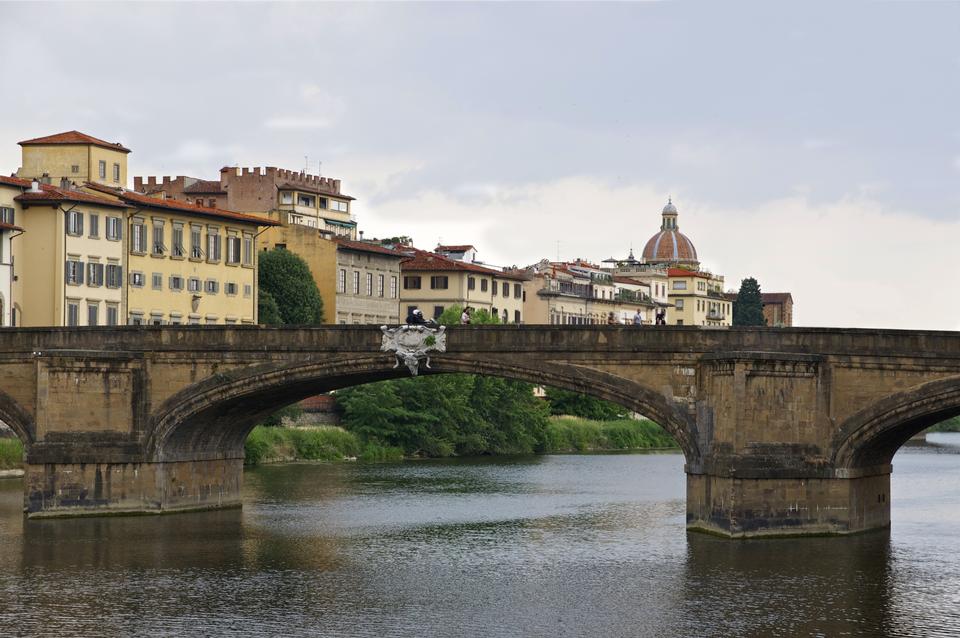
[166, 183]
[276, 175]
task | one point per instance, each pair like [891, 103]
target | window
[74, 168]
[356, 282]
[379, 285]
[138, 237]
[102, 169]
[517, 291]
[75, 223]
[116, 172]
[74, 272]
[136, 318]
[213, 244]
[506, 289]
[94, 274]
[176, 283]
[306, 200]
[369, 283]
[213, 286]
[679, 304]
[493, 290]
[114, 228]
[342, 281]
[156, 318]
[439, 282]
[158, 246]
[113, 314]
[196, 249]
[393, 287]
[212, 203]
[323, 202]
[286, 197]
[177, 241]
[93, 312]
[73, 313]
[471, 283]
[156, 281]
[193, 284]
[516, 316]
[338, 205]
[94, 226]
[680, 285]
[483, 285]
[679, 322]
[175, 319]
[247, 290]
[233, 250]
[230, 288]
[137, 279]
[437, 311]
[247, 250]
[114, 275]
[6, 215]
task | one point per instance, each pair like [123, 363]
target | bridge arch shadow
[17, 419]
[212, 418]
[871, 437]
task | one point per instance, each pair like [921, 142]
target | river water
[548, 546]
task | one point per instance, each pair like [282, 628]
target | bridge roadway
[784, 431]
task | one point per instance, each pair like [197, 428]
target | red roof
[139, 199]
[629, 280]
[680, 272]
[424, 260]
[775, 297]
[367, 247]
[204, 186]
[74, 137]
[52, 195]
[454, 249]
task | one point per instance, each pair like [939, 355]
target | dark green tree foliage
[748, 308]
[268, 313]
[286, 277]
[583, 406]
[444, 415]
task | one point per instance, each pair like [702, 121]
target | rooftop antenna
[319, 165]
[306, 164]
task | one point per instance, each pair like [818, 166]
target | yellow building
[433, 283]
[69, 262]
[75, 156]
[698, 299]
[188, 264]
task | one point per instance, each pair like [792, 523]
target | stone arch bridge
[784, 431]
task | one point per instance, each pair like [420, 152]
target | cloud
[297, 123]
[849, 263]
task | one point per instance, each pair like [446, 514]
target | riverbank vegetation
[950, 425]
[266, 444]
[572, 434]
[11, 454]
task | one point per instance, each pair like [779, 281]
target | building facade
[777, 308]
[433, 283]
[76, 157]
[9, 213]
[698, 299]
[368, 283]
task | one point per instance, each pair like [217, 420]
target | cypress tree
[748, 308]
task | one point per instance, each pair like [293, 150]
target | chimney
[34, 187]
[46, 179]
[64, 183]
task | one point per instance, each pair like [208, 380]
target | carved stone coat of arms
[412, 344]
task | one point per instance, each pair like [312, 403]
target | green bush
[569, 434]
[11, 454]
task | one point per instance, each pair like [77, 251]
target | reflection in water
[562, 545]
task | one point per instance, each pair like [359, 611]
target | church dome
[670, 245]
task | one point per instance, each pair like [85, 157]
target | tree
[748, 308]
[268, 313]
[286, 278]
[584, 406]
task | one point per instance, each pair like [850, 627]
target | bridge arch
[212, 418]
[872, 436]
[17, 418]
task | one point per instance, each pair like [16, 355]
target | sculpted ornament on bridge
[413, 344]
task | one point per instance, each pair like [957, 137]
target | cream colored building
[368, 283]
[433, 283]
[188, 264]
[10, 212]
[69, 262]
[698, 299]
[76, 156]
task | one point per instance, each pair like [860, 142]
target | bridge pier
[97, 489]
[738, 507]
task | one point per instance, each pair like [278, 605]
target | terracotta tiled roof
[680, 272]
[52, 195]
[775, 297]
[669, 245]
[141, 200]
[15, 181]
[454, 249]
[427, 261]
[629, 280]
[205, 186]
[367, 247]
[74, 137]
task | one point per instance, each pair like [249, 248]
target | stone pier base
[754, 507]
[97, 489]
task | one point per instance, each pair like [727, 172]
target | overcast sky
[816, 148]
